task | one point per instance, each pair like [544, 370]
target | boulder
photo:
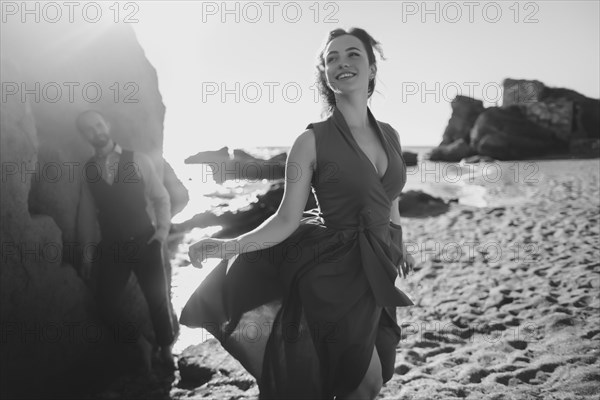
[200, 363]
[506, 134]
[211, 156]
[45, 313]
[534, 121]
[240, 165]
[555, 115]
[566, 112]
[452, 152]
[455, 141]
[410, 159]
[50, 76]
[209, 362]
[585, 148]
[417, 204]
[521, 91]
[465, 111]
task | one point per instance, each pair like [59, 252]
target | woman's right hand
[212, 248]
[407, 264]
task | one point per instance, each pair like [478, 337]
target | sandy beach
[506, 295]
[509, 307]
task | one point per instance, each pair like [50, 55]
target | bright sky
[205, 59]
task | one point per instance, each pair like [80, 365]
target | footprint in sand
[518, 344]
[591, 334]
[432, 353]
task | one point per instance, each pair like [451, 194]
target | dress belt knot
[361, 227]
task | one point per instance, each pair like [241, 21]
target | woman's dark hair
[371, 45]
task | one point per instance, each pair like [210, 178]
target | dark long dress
[304, 315]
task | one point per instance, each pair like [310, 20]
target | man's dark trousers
[118, 259]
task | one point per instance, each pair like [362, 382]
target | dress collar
[338, 117]
[340, 121]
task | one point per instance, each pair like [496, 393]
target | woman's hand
[212, 248]
[407, 264]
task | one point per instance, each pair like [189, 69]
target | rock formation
[455, 141]
[506, 134]
[455, 151]
[50, 75]
[41, 297]
[534, 121]
[240, 166]
[417, 204]
[410, 159]
[573, 117]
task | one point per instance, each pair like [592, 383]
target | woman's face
[347, 65]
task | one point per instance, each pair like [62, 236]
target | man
[133, 210]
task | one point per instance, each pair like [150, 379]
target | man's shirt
[158, 204]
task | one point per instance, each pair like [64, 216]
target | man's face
[94, 129]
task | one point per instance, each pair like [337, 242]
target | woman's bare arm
[298, 174]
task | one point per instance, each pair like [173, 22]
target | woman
[318, 291]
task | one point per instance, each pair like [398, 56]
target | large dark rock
[534, 121]
[452, 152]
[207, 362]
[555, 115]
[45, 308]
[569, 114]
[44, 209]
[417, 204]
[585, 148]
[455, 141]
[507, 134]
[521, 91]
[465, 111]
[240, 166]
[410, 159]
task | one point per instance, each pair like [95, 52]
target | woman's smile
[345, 76]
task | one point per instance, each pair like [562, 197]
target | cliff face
[465, 111]
[50, 73]
[40, 296]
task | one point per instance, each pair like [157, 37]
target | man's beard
[100, 141]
